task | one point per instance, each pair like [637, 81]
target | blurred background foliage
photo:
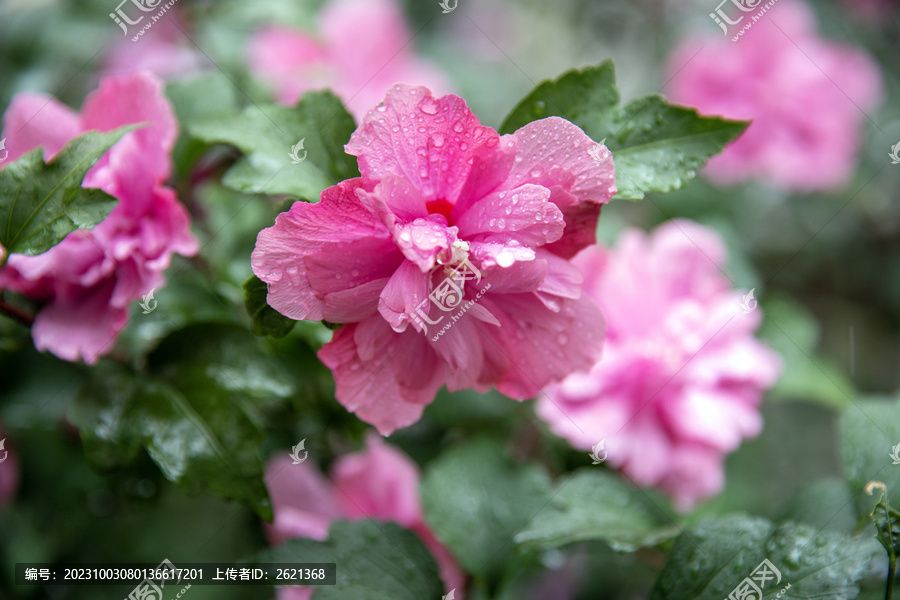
[826, 267]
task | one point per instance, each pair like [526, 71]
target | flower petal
[425, 140]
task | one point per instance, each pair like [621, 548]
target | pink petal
[315, 250]
[524, 214]
[554, 152]
[134, 98]
[425, 140]
[425, 240]
[378, 483]
[403, 295]
[34, 120]
[366, 387]
[544, 346]
[302, 501]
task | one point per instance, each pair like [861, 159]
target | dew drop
[438, 139]
[536, 172]
[395, 128]
[563, 339]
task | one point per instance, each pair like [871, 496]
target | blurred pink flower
[88, 280]
[807, 97]
[163, 50]
[438, 193]
[682, 376]
[380, 482]
[365, 46]
[9, 472]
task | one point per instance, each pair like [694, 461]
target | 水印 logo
[596, 450]
[295, 152]
[148, 303]
[446, 5]
[295, 452]
[748, 302]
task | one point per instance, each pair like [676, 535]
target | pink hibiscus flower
[364, 48]
[681, 378]
[807, 98]
[447, 259]
[379, 482]
[88, 280]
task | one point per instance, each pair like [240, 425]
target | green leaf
[197, 413]
[267, 134]
[711, 560]
[202, 442]
[265, 320]
[594, 504]
[868, 430]
[656, 146]
[41, 203]
[476, 500]
[375, 561]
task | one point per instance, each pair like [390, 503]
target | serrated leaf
[711, 560]
[656, 146]
[374, 560]
[265, 320]
[596, 505]
[476, 500]
[41, 203]
[869, 429]
[267, 134]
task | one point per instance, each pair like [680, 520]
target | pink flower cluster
[87, 281]
[379, 482]
[364, 48]
[682, 376]
[448, 215]
[807, 98]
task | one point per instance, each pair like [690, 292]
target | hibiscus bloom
[364, 48]
[682, 376]
[379, 482]
[447, 259]
[87, 281]
[807, 98]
